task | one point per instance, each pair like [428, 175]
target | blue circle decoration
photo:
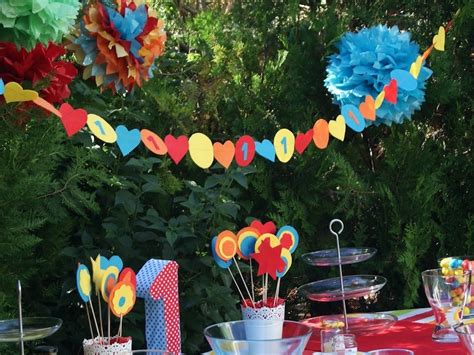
[221, 263]
[364, 65]
[294, 234]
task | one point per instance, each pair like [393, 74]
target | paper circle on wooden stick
[286, 257]
[109, 279]
[83, 281]
[128, 275]
[201, 150]
[221, 263]
[246, 239]
[289, 238]
[226, 245]
[274, 241]
[122, 298]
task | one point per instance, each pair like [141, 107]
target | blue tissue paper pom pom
[363, 66]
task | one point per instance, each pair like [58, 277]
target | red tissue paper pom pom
[38, 69]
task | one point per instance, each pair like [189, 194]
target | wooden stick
[108, 316]
[235, 282]
[93, 315]
[277, 292]
[266, 287]
[100, 316]
[120, 326]
[263, 288]
[245, 284]
[251, 280]
[90, 324]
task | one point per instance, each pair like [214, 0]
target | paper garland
[203, 151]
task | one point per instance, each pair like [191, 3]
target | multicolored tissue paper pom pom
[27, 22]
[38, 69]
[118, 43]
[363, 66]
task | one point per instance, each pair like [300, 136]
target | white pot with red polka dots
[100, 346]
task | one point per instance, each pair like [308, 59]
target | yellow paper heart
[337, 128]
[379, 99]
[439, 39]
[416, 67]
[15, 93]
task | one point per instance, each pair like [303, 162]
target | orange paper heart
[367, 108]
[224, 153]
[15, 93]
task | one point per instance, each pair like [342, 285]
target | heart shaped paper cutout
[127, 140]
[46, 105]
[440, 39]
[268, 227]
[72, 119]
[391, 91]
[2, 87]
[302, 141]
[379, 99]
[321, 133]
[337, 128]
[13, 92]
[416, 67]
[177, 147]
[224, 153]
[265, 149]
[367, 108]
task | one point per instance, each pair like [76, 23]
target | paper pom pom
[363, 66]
[26, 22]
[118, 45]
[39, 69]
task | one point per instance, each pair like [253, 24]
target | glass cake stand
[345, 287]
[27, 329]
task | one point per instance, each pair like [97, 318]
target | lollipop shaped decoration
[83, 282]
[122, 299]
[246, 239]
[289, 238]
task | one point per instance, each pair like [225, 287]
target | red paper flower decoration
[269, 259]
[38, 69]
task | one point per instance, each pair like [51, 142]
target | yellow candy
[458, 272]
[460, 279]
[445, 270]
[445, 263]
[456, 316]
[453, 293]
[466, 311]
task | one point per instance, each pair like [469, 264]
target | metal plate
[355, 286]
[329, 257]
[359, 323]
[33, 328]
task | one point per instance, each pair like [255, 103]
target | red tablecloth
[405, 335]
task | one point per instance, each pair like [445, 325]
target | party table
[412, 331]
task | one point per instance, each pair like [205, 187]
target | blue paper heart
[265, 149]
[116, 261]
[127, 140]
[353, 118]
[2, 87]
[404, 79]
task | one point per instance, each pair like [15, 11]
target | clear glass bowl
[359, 323]
[34, 328]
[152, 352]
[329, 290]
[465, 332]
[235, 337]
[329, 257]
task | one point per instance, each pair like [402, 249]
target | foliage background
[235, 67]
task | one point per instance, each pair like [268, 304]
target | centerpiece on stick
[272, 252]
[117, 287]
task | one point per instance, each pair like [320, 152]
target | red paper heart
[391, 91]
[177, 147]
[268, 227]
[302, 141]
[72, 120]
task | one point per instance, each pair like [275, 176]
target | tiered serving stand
[27, 329]
[345, 287]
